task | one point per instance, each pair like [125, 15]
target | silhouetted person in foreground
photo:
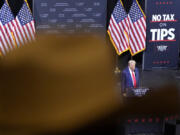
[65, 85]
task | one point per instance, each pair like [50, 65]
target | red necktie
[134, 79]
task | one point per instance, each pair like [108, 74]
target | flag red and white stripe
[137, 32]
[6, 29]
[24, 25]
[24, 33]
[119, 29]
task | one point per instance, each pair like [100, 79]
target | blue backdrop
[70, 16]
[162, 34]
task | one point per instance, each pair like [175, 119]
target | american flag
[137, 32]
[24, 24]
[118, 29]
[7, 41]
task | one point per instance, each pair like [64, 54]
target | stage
[152, 124]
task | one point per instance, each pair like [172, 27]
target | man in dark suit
[130, 77]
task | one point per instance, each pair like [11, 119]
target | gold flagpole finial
[117, 70]
[7, 2]
[27, 4]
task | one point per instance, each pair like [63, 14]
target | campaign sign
[162, 42]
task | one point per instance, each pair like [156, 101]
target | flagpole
[12, 32]
[117, 70]
[144, 52]
[131, 57]
[7, 2]
[28, 5]
[117, 61]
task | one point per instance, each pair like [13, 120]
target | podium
[137, 92]
[138, 122]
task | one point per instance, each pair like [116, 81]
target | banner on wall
[162, 42]
[70, 16]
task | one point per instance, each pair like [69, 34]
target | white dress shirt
[131, 75]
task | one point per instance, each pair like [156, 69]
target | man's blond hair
[131, 62]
